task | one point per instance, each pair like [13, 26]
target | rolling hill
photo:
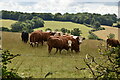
[68, 25]
[6, 23]
[104, 33]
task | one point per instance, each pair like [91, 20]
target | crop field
[6, 23]
[104, 33]
[37, 62]
[68, 25]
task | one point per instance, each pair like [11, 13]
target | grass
[53, 25]
[104, 33]
[6, 23]
[36, 62]
[68, 25]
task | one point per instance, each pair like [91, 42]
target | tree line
[82, 18]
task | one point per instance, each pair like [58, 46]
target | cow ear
[83, 38]
[77, 38]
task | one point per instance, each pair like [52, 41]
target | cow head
[69, 43]
[79, 39]
[52, 33]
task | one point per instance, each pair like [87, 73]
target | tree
[109, 68]
[6, 59]
[96, 24]
[76, 32]
[48, 29]
[63, 30]
[38, 22]
[110, 36]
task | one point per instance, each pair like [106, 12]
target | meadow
[37, 62]
[68, 25]
[6, 23]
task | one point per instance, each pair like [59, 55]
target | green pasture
[37, 62]
[68, 25]
[6, 23]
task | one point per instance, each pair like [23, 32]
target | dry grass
[104, 33]
[37, 62]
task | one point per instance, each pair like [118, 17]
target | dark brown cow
[37, 37]
[112, 43]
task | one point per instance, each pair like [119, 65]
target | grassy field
[6, 23]
[68, 25]
[36, 62]
[104, 33]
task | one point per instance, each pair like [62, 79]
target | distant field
[6, 23]
[68, 25]
[104, 33]
[36, 62]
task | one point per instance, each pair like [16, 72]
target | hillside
[104, 33]
[54, 25]
[68, 25]
[6, 23]
[36, 62]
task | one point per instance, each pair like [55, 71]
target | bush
[101, 28]
[6, 59]
[4, 29]
[63, 30]
[108, 69]
[27, 25]
[110, 36]
[48, 29]
[76, 32]
[93, 36]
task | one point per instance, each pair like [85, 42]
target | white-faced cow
[63, 42]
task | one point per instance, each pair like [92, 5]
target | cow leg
[72, 50]
[60, 50]
[107, 46]
[31, 44]
[49, 49]
[42, 43]
[56, 51]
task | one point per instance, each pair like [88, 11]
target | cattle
[58, 34]
[63, 42]
[57, 42]
[112, 43]
[38, 36]
[76, 41]
[25, 36]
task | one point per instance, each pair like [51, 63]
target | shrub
[6, 59]
[110, 36]
[93, 36]
[108, 69]
[48, 29]
[63, 30]
[4, 29]
[76, 32]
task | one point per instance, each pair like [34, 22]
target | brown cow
[63, 42]
[76, 41]
[37, 37]
[57, 42]
[112, 43]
